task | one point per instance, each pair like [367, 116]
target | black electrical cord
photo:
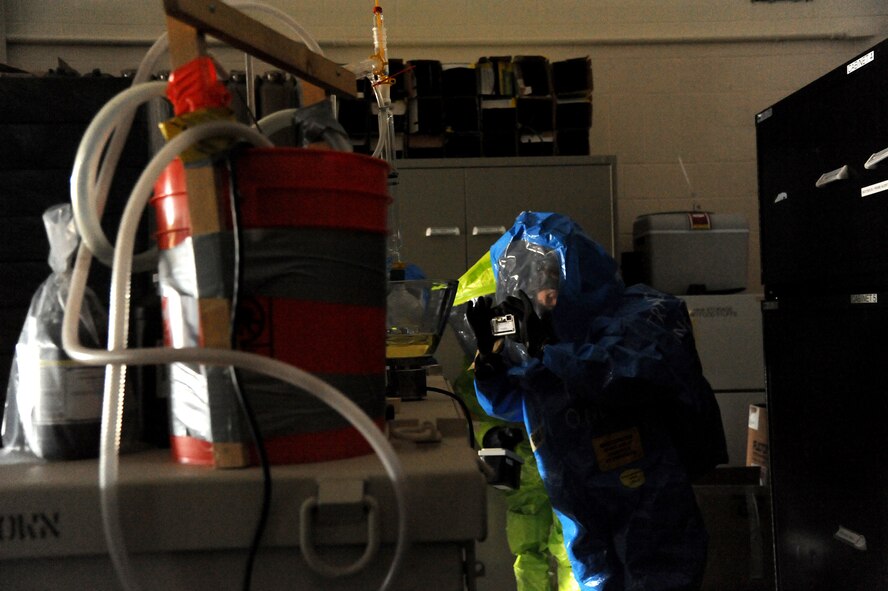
[465, 409]
[246, 106]
[252, 423]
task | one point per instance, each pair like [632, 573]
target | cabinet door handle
[875, 159]
[488, 230]
[832, 176]
[452, 231]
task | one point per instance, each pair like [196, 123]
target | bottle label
[64, 391]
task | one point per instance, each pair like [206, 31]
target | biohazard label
[617, 449]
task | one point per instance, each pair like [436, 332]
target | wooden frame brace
[232, 26]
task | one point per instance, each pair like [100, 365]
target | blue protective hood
[590, 285]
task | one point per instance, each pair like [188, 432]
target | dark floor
[740, 548]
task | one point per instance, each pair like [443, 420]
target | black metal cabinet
[823, 207]
[823, 179]
[828, 414]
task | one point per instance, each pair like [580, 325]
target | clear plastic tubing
[117, 357]
[86, 163]
[90, 186]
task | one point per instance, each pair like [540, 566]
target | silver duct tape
[183, 282]
[188, 399]
[189, 404]
[316, 264]
[212, 278]
[176, 269]
[182, 317]
[215, 273]
[226, 414]
[336, 266]
[282, 409]
[193, 414]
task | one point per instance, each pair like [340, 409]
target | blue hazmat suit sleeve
[644, 356]
[500, 389]
[605, 375]
[497, 395]
[644, 338]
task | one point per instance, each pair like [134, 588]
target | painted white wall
[673, 78]
[460, 22]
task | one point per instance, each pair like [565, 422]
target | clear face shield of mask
[532, 269]
[528, 272]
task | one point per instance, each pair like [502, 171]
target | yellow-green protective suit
[532, 530]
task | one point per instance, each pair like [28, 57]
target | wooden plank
[247, 34]
[215, 315]
[186, 44]
[312, 94]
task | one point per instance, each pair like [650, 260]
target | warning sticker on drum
[873, 189]
[617, 449]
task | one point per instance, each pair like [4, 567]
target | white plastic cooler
[693, 252]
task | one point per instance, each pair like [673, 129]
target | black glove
[479, 313]
[533, 331]
[504, 437]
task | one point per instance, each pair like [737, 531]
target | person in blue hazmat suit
[608, 383]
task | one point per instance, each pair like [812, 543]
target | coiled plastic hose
[117, 357]
[89, 191]
[90, 184]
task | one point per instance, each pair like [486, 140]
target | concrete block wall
[676, 83]
[666, 110]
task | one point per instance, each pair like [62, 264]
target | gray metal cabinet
[451, 210]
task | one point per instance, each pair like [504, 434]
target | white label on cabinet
[864, 298]
[873, 189]
[860, 62]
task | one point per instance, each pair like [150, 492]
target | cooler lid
[686, 221]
